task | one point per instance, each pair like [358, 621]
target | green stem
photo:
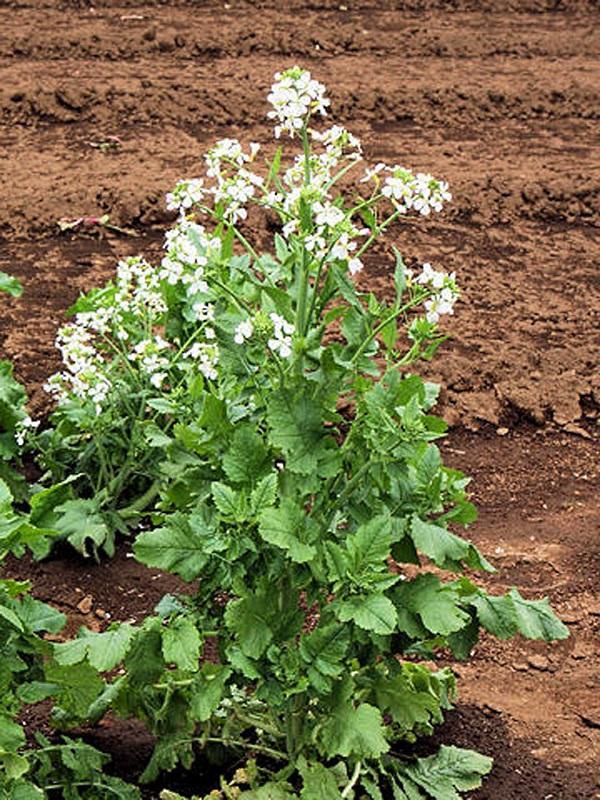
[142, 502]
[353, 780]
[259, 748]
[392, 218]
[391, 316]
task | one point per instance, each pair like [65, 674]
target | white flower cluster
[281, 340]
[337, 140]
[186, 195]
[234, 185]
[447, 292]
[23, 428]
[294, 96]
[84, 374]
[148, 355]
[205, 355]
[334, 236]
[420, 192]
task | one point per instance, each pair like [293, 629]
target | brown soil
[501, 98]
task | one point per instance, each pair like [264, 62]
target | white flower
[243, 331]
[421, 192]
[157, 379]
[442, 303]
[294, 96]
[373, 172]
[355, 265]
[328, 214]
[431, 277]
[281, 341]
[23, 428]
[203, 311]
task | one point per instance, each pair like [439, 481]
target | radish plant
[263, 413]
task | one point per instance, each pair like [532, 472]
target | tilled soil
[499, 97]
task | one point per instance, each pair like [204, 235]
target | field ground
[504, 104]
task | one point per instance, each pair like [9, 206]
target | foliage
[261, 411]
[29, 674]
[10, 285]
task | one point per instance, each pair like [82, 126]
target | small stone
[520, 666]
[577, 430]
[571, 617]
[579, 651]
[538, 662]
[85, 605]
[100, 613]
[502, 431]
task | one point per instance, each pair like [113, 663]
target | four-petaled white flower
[442, 303]
[243, 331]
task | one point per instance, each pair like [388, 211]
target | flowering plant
[259, 408]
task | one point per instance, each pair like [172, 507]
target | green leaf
[12, 735]
[10, 285]
[182, 546]
[6, 497]
[405, 703]
[450, 771]
[357, 732]
[78, 686]
[438, 606]
[81, 522]
[246, 459]
[297, 428]
[324, 650]
[249, 619]
[536, 620]
[264, 495]
[509, 614]
[35, 691]
[228, 501]
[37, 616]
[318, 782]
[399, 274]
[104, 650]
[444, 548]
[373, 612]
[181, 643]
[208, 690]
[284, 527]
[370, 546]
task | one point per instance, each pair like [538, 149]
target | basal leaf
[284, 527]
[246, 459]
[182, 546]
[249, 619]
[450, 771]
[207, 691]
[78, 685]
[373, 612]
[437, 606]
[81, 522]
[38, 616]
[296, 427]
[318, 782]
[357, 732]
[181, 643]
[536, 620]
